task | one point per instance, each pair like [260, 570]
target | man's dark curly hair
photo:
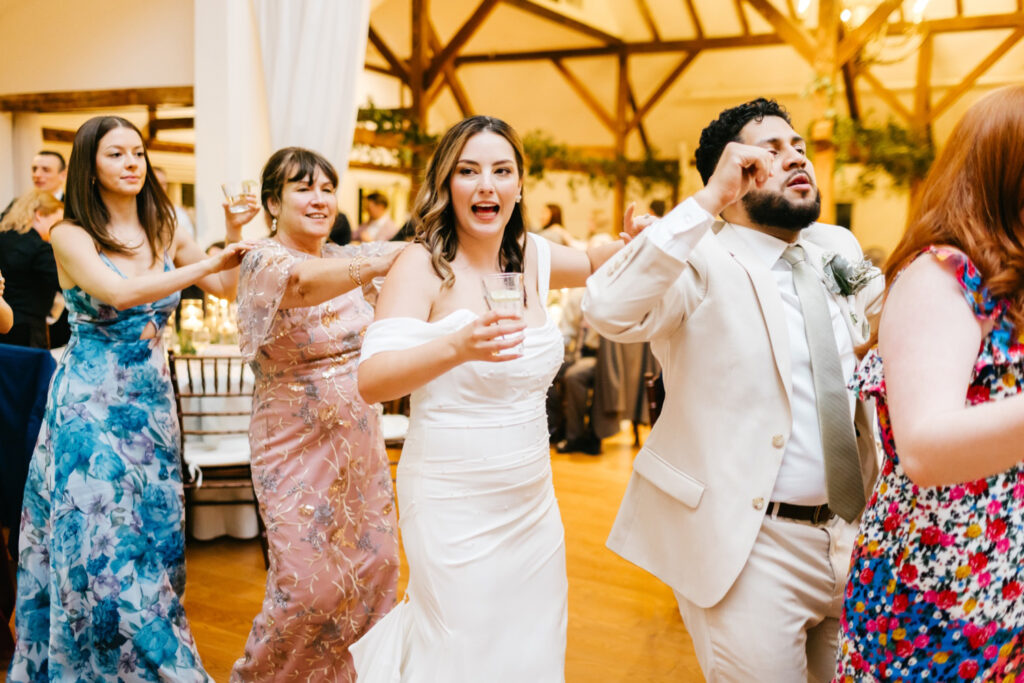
[726, 128]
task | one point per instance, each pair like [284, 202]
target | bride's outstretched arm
[571, 267]
[406, 300]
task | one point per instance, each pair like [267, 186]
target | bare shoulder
[411, 286]
[67, 236]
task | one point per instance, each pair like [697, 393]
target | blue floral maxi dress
[101, 572]
[937, 572]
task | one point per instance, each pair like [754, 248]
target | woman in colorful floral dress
[319, 466]
[937, 573]
[101, 567]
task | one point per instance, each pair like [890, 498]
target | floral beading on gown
[320, 472]
[937, 572]
[101, 572]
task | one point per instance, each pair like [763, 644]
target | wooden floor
[623, 623]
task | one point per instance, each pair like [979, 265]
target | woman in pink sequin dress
[319, 466]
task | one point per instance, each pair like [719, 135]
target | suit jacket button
[758, 503]
[778, 441]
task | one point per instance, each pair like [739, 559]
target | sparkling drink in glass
[503, 292]
[236, 193]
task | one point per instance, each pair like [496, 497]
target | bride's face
[484, 185]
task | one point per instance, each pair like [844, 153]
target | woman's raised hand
[233, 222]
[487, 336]
[633, 225]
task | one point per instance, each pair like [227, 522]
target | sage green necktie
[843, 481]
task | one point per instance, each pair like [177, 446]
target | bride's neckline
[457, 311]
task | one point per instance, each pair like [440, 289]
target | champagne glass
[504, 293]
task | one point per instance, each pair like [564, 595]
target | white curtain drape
[271, 74]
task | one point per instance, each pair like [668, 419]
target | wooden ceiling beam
[697, 26]
[448, 71]
[587, 97]
[788, 30]
[741, 15]
[662, 88]
[182, 123]
[923, 89]
[398, 67]
[640, 129]
[445, 57]
[386, 70]
[645, 12]
[68, 136]
[954, 24]
[954, 94]
[855, 40]
[553, 16]
[644, 47]
[888, 95]
[75, 100]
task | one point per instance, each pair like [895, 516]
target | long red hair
[973, 197]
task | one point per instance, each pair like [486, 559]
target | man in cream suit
[745, 497]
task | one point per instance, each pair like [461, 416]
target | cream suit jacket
[701, 483]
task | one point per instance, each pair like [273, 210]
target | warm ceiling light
[845, 15]
[802, 7]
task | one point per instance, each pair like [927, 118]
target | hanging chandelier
[883, 46]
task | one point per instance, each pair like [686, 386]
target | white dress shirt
[801, 479]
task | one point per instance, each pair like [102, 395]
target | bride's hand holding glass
[487, 337]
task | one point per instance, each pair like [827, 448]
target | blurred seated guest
[579, 340]
[6, 314]
[26, 259]
[601, 389]
[551, 227]
[184, 220]
[341, 231]
[380, 227]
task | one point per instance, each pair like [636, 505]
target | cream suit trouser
[779, 623]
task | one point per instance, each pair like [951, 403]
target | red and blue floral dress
[936, 577]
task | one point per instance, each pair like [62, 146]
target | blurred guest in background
[48, 174]
[180, 213]
[6, 314]
[341, 231]
[551, 227]
[26, 259]
[319, 467]
[380, 227]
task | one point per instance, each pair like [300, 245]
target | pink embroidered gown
[321, 476]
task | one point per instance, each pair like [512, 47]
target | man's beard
[774, 210]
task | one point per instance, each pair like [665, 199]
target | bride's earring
[273, 225]
[519, 197]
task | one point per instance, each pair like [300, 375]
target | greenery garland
[904, 154]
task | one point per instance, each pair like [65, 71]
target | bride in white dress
[487, 592]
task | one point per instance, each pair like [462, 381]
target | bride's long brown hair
[973, 198]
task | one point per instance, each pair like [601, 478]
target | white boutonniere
[844, 278]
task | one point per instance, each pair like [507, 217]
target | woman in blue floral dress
[101, 560]
[935, 587]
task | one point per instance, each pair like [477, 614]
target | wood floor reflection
[623, 623]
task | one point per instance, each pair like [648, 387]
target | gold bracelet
[355, 267]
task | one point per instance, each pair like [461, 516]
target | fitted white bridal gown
[487, 594]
